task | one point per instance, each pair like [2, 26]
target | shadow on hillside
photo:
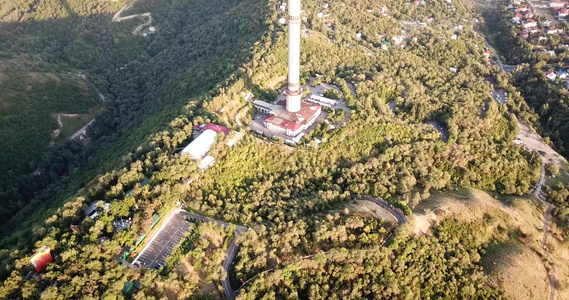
[147, 81]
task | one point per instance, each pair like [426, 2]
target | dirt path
[538, 192]
[532, 141]
[117, 18]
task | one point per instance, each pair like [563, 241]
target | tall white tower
[293, 91]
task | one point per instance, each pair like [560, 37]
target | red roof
[293, 121]
[548, 72]
[488, 52]
[41, 258]
[214, 127]
[283, 123]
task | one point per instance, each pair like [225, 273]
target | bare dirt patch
[423, 223]
[533, 141]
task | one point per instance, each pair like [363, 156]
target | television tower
[293, 91]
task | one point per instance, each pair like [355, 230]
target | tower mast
[293, 91]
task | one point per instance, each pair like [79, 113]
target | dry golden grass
[518, 270]
[516, 266]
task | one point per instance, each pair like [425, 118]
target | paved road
[154, 254]
[231, 251]
[440, 129]
[398, 214]
[536, 192]
[117, 18]
[84, 128]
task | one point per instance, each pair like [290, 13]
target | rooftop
[214, 127]
[292, 120]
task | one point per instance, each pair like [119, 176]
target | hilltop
[426, 190]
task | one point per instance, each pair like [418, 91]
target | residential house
[555, 4]
[562, 74]
[550, 75]
[529, 23]
[563, 13]
[517, 18]
[552, 30]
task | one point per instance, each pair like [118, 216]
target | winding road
[397, 214]
[537, 192]
[117, 18]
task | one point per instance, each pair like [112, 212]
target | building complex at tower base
[290, 123]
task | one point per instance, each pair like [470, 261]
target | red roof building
[290, 123]
[217, 128]
[41, 258]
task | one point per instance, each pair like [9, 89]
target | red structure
[211, 126]
[76, 229]
[41, 258]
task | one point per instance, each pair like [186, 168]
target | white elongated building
[199, 147]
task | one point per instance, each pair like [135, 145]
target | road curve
[398, 214]
[84, 128]
[231, 251]
[117, 18]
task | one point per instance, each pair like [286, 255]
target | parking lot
[500, 95]
[154, 255]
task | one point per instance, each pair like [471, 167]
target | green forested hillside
[147, 80]
[31, 97]
[303, 240]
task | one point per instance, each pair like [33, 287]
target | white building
[550, 75]
[206, 162]
[322, 100]
[199, 147]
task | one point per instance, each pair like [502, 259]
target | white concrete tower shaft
[293, 91]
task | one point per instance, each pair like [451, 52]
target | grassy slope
[32, 93]
[516, 263]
